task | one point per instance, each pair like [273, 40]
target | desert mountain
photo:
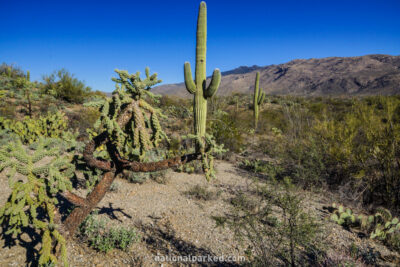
[364, 75]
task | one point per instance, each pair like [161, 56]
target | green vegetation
[30, 130]
[143, 132]
[62, 85]
[35, 195]
[348, 146]
[274, 222]
[93, 230]
[258, 99]
[201, 193]
[381, 225]
[202, 93]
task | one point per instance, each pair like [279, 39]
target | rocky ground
[170, 222]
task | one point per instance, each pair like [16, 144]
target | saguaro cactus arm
[261, 97]
[214, 84]
[190, 85]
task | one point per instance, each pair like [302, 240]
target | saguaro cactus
[259, 96]
[198, 87]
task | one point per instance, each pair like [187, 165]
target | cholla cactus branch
[128, 125]
[36, 192]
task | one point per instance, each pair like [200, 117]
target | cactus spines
[36, 192]
[198, 87]
[259, 96]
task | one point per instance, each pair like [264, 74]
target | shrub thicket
[62, 85]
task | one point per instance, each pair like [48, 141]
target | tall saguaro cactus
[198, 87]
[259, 96]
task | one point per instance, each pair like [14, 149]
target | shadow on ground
[164, 242]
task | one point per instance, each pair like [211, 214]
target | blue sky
[92, 38]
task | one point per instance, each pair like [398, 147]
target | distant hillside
[365, 75]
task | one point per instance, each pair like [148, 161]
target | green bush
[8, 111]
[82, 119]
[93, 230]
[364, 147]
[11, 71]
[227, 129]
[62, 85]
[201, 193]
[274, 223]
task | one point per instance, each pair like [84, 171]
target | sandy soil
[172, 223]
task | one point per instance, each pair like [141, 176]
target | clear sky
[92, 38]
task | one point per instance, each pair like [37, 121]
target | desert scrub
[82, 119]
[94, 231]
[364, 147]
[63, 85]
[201, 193]
[274, 222]
[227, 129]
[255, 165]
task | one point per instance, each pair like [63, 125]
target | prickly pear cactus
[30, 130]
[381, 225]
[143, 132]
[34, 185]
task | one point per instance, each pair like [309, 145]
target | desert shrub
[83, 119]
[48, 103]
[364, 147]
[299, 153]
[62, 85]
[8, 111]
[271, 118]
[201, 193]
[227, 129]
[256, 166]
[94, 231]
[273, 221]
[11, 71]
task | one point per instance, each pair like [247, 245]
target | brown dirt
[172, 223]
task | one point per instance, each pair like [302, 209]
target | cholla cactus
[34, 185]
[143, 131]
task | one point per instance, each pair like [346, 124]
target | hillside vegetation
[345, 147]
[88, 179]
[332, 76]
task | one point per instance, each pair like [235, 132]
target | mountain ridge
[361, 75]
